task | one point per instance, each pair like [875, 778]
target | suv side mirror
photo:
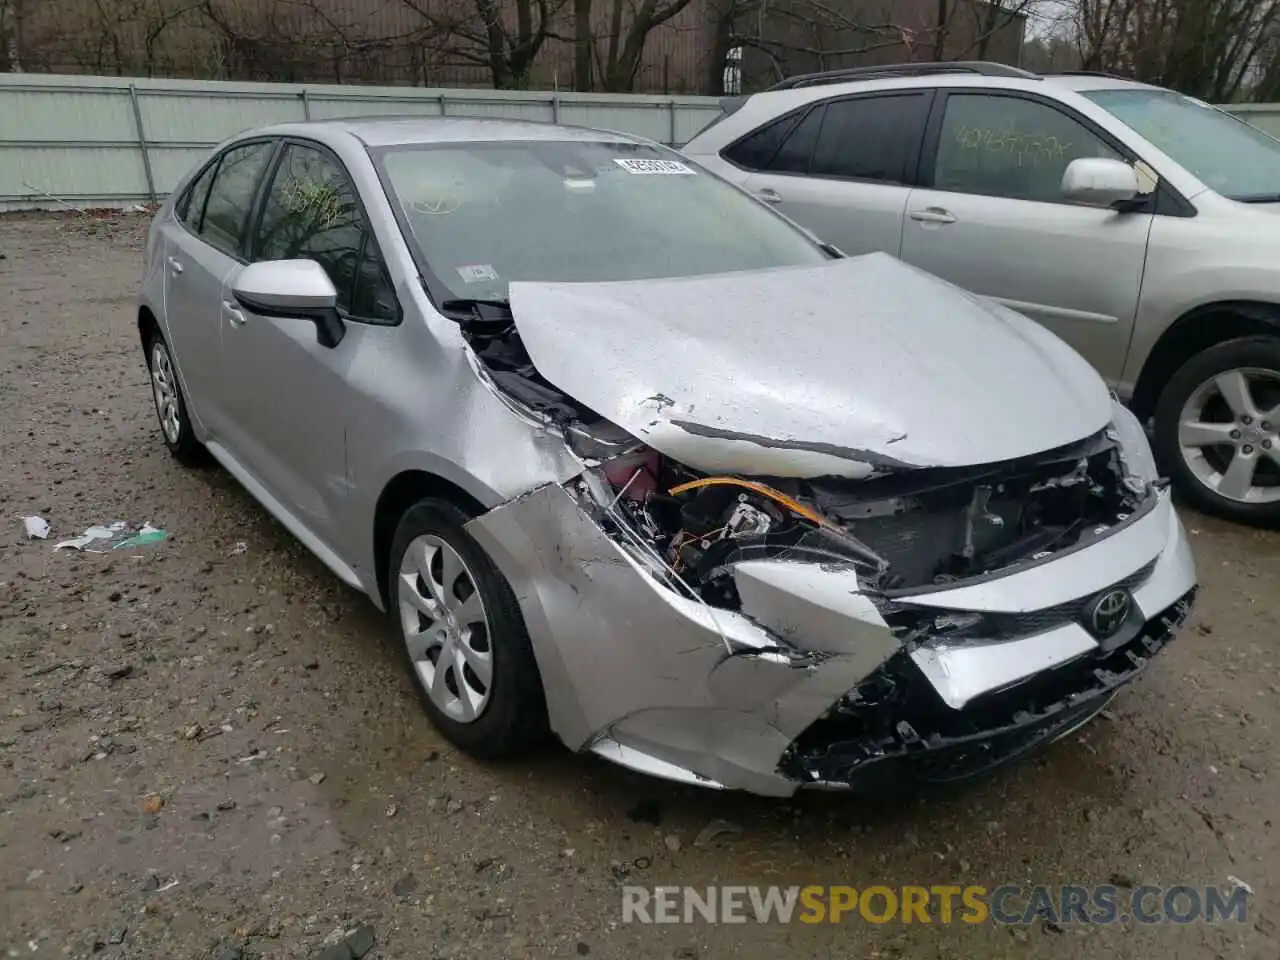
[1099, 181]
[295, 290]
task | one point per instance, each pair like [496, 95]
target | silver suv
[1136, 223]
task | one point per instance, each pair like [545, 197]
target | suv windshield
[1230, 156]
[485, 214]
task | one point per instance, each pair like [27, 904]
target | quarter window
[226, 214]
[755, 151]
[793, 156]
[312, 212]
[870, 138]
[1010, 147]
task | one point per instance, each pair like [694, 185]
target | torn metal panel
[961, 673]
[621, 655]
[843, 362]
[819, 608]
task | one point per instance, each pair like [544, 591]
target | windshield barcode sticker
[654, 166]
[477, 273]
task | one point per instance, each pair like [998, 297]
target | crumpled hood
[844, 368]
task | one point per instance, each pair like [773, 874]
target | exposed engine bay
[901, 529]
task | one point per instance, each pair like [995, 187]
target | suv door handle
[932, 215]
[769, 195]
[175, 264]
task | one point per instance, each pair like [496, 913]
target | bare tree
[1209, 48]
[504, 38]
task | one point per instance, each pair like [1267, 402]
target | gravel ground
[208, 749]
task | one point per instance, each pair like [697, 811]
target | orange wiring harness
[795, 506]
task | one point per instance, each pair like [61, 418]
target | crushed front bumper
[783, 694]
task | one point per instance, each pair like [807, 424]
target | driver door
[992, 219]
[290, 408]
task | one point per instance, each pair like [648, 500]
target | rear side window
[235, 185]
[870, 138]
[191, 207]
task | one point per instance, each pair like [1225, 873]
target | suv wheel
[1217, 430]
[462, 635]
[171, 406]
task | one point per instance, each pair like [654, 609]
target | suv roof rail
[1086, 73]
[980, 67]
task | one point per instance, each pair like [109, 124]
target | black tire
[514, 718]
[1258, 352]
[184, 447]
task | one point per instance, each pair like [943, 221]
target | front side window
[1010, 147]
[870, 138]
[226, 212]
[1228, 155]
[312, 212]
[481, 215]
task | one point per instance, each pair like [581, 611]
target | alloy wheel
[1229, 434]
[164, 386]
[445, 628]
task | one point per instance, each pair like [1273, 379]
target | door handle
[235, 316]
[769, 195]
[175, 264]
[932, 215]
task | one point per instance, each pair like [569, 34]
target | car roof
[1076, 82]
[397, 131]
[1081, 82]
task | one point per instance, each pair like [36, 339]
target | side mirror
[292, 290]
[1099, 181]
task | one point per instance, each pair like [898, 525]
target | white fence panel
[110, 141]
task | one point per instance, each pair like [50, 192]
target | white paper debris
[90, 535]
[37, 527]
[1237, 882]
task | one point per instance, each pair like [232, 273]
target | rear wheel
[171, 406]
[462, 635]
[1217, 430]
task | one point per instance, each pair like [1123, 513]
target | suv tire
[1204, 402]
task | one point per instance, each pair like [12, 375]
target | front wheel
[1217, 430]
[462, 635]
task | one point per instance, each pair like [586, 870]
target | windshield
[1230, 156]
[485, 214]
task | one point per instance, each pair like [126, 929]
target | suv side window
[793, 156]
[235, 185]
[755, 150]
[1012, 147]
[871, 138]
[191, 206]
[312, 212]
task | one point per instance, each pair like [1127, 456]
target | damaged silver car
[628, 456]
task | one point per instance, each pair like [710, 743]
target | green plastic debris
[147, 535]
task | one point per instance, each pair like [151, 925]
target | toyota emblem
[1109, 613]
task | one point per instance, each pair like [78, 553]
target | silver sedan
[629, 457]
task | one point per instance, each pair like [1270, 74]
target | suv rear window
[861, 138]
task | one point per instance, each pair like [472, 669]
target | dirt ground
[208, 749]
